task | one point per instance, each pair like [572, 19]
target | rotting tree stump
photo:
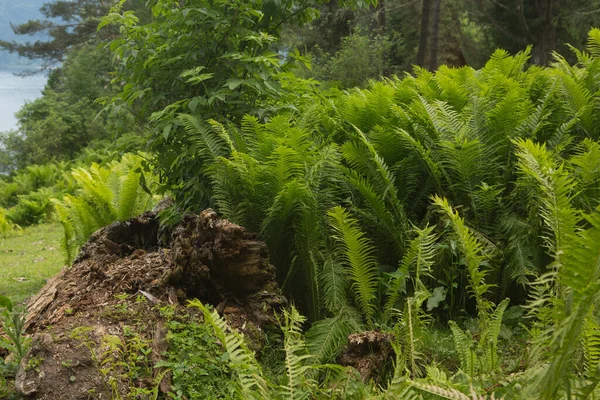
[203, 257]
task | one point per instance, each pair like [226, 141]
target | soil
[86, 317]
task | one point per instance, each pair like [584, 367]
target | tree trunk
[546, 41]
[378, 17]
[435, 35]
[424, 36]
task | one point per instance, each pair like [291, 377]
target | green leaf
[6, 303]
[234, 83]
[193, 104]
[167, 130]
[200, 78]
[439, 295]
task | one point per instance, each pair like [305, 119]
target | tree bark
[424, 36]
[546, 42]
[378, 21]
[435, 35]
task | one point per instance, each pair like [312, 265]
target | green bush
[32, 208]
[8, 193]
[195, 360]
[361, 57]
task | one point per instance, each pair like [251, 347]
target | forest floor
[29, 259]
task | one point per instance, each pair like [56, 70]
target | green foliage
[66, 119]
[474, 256]
[32, 208]
[104, 195]
[327, 337]
[573, 314]
[513, 148]
[416, 263]
[12, 321]
[357, 255]
[247, 373]
[300, 369]
[195, 360]
[7, 227]
[359, 59]
[480, 357]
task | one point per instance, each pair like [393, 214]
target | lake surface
[14, 92]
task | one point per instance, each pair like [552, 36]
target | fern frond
[104, 195]
[334, 284]
[424, 155]
[357, 254]
[555, 189]
[579, 277]
[474, 254]
[593, 44]
[417, 261]
[376, 203]
[372, 165]
[591, 345]
[208, 140]
[327, 337]
[250, 382]
[299, 383]
[488, 343]
[128, 195]
[444, 393]
[465, 347]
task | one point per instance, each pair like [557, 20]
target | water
[14, 92]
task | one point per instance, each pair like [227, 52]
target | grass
[29, 259]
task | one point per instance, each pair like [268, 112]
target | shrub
[32, 208]
[360, 58]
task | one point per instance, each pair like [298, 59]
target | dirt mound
[370, 353]
[120, 279]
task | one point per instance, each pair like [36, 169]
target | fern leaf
[465, 348]
[417, 261]
[297, 366]
[358, 255]
[474, 254]
[327, 337]
[249, 378]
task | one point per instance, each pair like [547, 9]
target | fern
[474, 254]
[334, 284]
[579, 276]
[554, 188]
[208, 145]
[250, 382]
[444, 393]
[299, 385]
[591, 345]
[417, 262]
[488, 344]
[104, 195]
[465, 347]
[365, 160]
[7, 228]
[593, 44]
[327, 337]
[358, 256]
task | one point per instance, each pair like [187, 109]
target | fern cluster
[482, 185]
[104, 194]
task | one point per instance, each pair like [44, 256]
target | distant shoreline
[17, 69]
